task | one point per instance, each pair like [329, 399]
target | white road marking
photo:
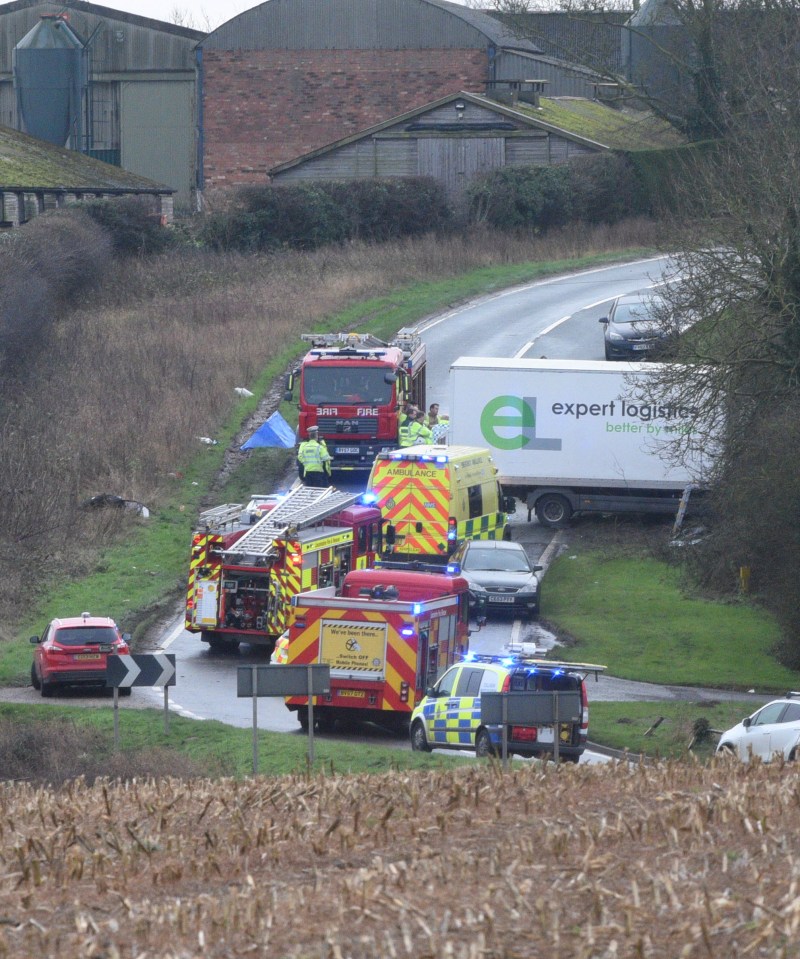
[435, 321]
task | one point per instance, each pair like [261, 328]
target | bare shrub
[52, 752]
[51, 261]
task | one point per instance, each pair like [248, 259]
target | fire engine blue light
[368, 498]
[407, 631]
[451, 534]
[452, 569]
[417, 608]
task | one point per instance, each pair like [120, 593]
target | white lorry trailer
[575, 436]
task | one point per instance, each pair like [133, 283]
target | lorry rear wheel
[553, 510]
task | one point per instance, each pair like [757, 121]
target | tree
[738, 278]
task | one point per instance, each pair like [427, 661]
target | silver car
[500, 575]
[771, 731]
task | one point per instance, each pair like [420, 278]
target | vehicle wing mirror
[480, 610]
[509, 504]
[537, 568]
[390, 535]
[432, 692]
[746, 722]
[390, 377]
[603, 319]
[126, 638]
[34, 639]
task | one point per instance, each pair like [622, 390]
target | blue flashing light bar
[407, 631]
[453, 569]
[442, 459]
[367, 499]
[417, 608]
[469, 657]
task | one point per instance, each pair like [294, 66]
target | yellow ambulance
[434, 497]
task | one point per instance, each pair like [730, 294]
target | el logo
[515, 416]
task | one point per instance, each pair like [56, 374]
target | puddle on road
[531, 639]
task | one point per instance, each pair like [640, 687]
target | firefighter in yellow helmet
[314, 460]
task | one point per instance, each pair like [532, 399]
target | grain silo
[49, 66]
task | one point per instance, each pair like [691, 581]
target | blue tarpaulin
[275, 432]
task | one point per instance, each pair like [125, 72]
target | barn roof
[364, 24]
[107, 13]
[615, 129]
[30, 164]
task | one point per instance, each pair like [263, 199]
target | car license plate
[642, 346]
[355, 693]
[500, 598]
[345, 450]
[88, 656]
[545, 734]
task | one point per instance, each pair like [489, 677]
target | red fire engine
[248, 562]
[386, 635]
[351, 386]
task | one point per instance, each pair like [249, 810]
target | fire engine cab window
[469, 682]
[329, 384]
[475, 501]
[362, 539]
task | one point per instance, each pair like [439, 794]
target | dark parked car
[634, 326]
[499, 574]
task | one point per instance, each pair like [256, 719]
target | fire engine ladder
[302, 507]
[221, 516]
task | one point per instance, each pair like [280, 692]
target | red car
[74, 651]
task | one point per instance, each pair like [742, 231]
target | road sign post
[311, 680]
[531, 709]
[123, 672]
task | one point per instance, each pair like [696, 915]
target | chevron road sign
[152, 670]
[156, 669]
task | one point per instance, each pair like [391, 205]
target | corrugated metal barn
[289, 76]
[139, 104]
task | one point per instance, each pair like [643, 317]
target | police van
[450, 715]
[434, 497]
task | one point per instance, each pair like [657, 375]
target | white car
[774, 729]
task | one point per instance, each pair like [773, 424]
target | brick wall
[264, 107]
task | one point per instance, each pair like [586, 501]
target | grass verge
[664, 730]
[191, 747]
[626, 609]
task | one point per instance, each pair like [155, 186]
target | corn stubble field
[585, 861]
